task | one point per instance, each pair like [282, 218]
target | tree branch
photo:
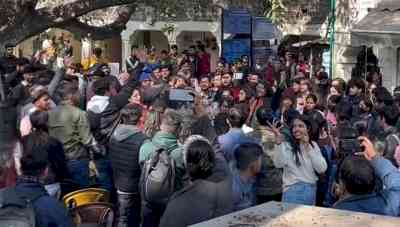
[99, 33]
[80, 28]
[79, 8]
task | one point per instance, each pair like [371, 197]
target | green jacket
[70, 126]
[169, 142]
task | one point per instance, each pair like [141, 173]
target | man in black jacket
[104, 116]
[125, 145]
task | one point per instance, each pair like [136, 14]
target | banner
[237, 22]
[235, 48]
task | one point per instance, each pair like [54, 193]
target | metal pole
[2, 91]
[332, 37]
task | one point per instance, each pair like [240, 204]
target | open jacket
[104, 112]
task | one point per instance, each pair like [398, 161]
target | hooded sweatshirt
[169, 142]
[124, 148]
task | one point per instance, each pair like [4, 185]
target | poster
[263, 29]
[234, 49]
[237, 22]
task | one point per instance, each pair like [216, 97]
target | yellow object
[87, 63]
[86, 196]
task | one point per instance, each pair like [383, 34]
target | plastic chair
[94, 214]
[86, 196]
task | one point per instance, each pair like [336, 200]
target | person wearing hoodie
[104, 115]
[166, 138]
[125, 144]
[204, 198]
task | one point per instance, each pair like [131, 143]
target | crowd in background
[229, 139]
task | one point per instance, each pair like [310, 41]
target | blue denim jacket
[48, 211]
[385, 202]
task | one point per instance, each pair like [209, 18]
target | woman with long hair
[301, 161]
[58, 170]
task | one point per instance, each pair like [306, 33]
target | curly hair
[200, 159]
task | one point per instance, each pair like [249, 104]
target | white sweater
[311, 163]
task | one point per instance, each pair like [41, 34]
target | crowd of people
[176, 143]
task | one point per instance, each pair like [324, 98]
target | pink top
[331, 118]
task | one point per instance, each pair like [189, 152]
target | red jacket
[204, 64]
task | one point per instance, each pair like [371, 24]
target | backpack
[17, 210]
[158, 178]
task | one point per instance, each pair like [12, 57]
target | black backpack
[16, 210]
[158, 178]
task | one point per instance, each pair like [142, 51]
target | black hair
[358, 175]
[34, 159]
[295, 143]
[246, 154]
[39, 121]
[67, 91]
[334, 99]
[390, 114]
[343, 111]
[97, 52]
[236, 117]
[356, 82]
[383, 96]
[265, 116]
[165, 67]
[131, 114]
[220, 125]
[313, 97]
[101, 86]
[164, 52]
[200, 158]
[201, 47]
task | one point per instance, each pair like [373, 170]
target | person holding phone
[301, 161]
[356, 187]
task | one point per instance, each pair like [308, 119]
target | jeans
[104, 178]
[129, 210]
[300, 193]
[79, 172]
[151, 214]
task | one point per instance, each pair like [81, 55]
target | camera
[348, 140]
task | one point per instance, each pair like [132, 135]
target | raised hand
[368, 148]
[276, 129]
